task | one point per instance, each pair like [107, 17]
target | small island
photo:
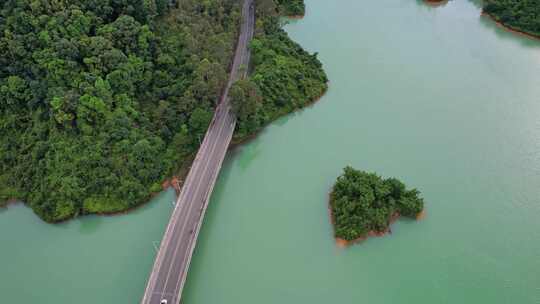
[363, 204]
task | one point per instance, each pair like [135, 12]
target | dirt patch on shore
[342, 243]
[296, 17]
[345, 243]
[436, 2]
[8, 202]
[174, 182]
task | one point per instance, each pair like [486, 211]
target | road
[172, 262]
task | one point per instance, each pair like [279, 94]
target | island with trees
[518, 15]
[363, 204]
[103, 101]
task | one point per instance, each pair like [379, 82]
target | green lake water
[441, 98]
[90, 260]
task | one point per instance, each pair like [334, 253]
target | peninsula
[522, 16]
[100, 104]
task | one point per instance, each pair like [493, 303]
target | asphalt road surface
[174, 256]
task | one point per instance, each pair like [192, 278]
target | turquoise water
[438, 97]
[89, 260]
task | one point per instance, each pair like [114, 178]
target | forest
[284, 77]
[292, 7]
[362, 202]
[101, 101]
[521, 15]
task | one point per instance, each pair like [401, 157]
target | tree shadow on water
[246, 153]
[3, 209]
[477, 3]
[90, 224]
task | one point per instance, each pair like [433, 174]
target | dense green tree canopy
[286, 76]
[522, 15]
[292, 7]
[246, 101]
[100, 100]
[361, 202]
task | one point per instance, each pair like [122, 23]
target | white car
[163, 301]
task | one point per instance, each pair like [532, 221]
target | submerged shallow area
[438, 97]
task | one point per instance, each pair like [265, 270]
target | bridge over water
[172, 262]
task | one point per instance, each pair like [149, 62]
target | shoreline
[436, 3]
[236, 142]
[177, 179]
[510, 28]
[11, 201]
[176, 182]
[507, 27]
[173, 182]
[343, 243]
[296, 17]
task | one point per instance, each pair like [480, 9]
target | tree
[247, 104]
[292, 7]
[101, 99]
[199, 122]
[522, 15]
[361, 202]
